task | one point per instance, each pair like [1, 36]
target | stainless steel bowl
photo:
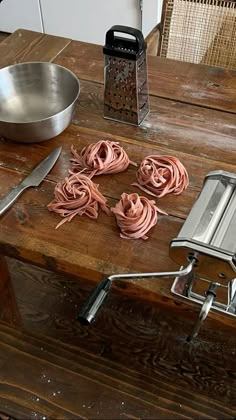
[36, 101]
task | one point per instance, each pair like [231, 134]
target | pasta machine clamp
[205, 250]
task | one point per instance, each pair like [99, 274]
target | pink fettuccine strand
[103, 157]
[77, 194]
[159, 175]
[135, 215]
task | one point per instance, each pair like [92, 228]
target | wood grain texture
[81, 254]
[23, 46]
[185, 82]
[142, 327]
[112, 186]
[88, 248]
[9, 308]
[211, 87]
[176, 126]
[68, 382]
[149, 339]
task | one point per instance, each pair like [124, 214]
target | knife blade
[32, 180]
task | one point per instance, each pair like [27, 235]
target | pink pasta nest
[135, 215]
[103, 157]
[159, 175]
[77, 194]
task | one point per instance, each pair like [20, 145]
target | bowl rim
[52, 116]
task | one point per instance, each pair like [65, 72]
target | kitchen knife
[32, 180]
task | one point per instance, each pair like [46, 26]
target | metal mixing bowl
[36, 101]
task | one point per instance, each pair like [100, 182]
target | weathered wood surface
[87, 248]
[202, 138]
[185, 82]
[9, 308]
[148, 338]
[61, 381]
[24, 159]
[148, 333]
[23, 46]
[211, 87]
[177, 126]
[69, 385]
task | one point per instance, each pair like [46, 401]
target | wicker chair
[199, 31]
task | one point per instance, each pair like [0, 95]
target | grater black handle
[138, 45]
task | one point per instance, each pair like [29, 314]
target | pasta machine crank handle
[206, 306]
[97, 297]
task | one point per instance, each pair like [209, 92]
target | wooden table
[192, 117]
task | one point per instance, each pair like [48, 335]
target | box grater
[126, 84]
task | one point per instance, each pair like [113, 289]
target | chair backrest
[199, 31]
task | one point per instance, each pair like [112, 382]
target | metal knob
[210, 296]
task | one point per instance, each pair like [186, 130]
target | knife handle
[11, 197]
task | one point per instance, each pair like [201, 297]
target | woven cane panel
[200, 31]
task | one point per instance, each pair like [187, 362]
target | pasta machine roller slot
[209, 236]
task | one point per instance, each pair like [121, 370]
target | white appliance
[25, 14]
[83, 20]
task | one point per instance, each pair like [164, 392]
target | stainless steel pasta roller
[205, 250]
[208, 236]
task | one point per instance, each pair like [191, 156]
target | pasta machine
[205, 249]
